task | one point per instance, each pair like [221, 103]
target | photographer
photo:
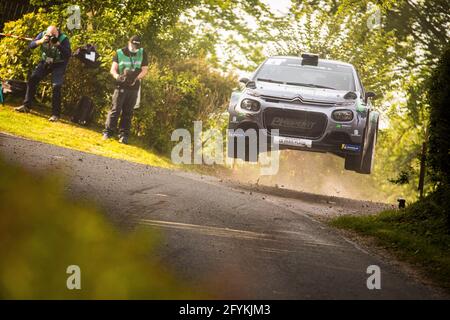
[55, 48]
[130, 65]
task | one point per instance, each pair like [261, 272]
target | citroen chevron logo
[298, 99]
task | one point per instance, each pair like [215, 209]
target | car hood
[306, 93]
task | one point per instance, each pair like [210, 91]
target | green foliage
[16, 60]
[185, 92]
[427, 22]
[341, 33]
[439, 134]
[242, 28]
[42, 233]
[433, 212]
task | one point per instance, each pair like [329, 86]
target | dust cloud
[314, 173]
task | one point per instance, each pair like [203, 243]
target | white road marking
[208, 230]
[277, 235]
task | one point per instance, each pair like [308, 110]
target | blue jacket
[64, 48]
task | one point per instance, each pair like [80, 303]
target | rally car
[307, 103]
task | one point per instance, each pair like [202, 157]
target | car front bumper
[340, 138]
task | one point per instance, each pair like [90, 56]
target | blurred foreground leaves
[42, 233]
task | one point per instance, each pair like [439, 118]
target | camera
[51, 39]
[128, 77]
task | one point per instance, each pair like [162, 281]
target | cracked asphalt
[236, 242]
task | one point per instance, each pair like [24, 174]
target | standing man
[55, 48]
[129, 67]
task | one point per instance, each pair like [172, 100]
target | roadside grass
[114, 263]
[418, 235]
[35, 126]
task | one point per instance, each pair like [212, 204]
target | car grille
[298, 100]
[295, 123]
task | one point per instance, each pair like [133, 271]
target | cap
[136, 40]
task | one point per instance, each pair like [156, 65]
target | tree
[439, 139]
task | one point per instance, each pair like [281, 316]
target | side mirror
[244, 80]
[370, 95]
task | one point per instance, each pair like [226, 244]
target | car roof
[320, 59]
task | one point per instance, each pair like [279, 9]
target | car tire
[247, 157]
[369, 156]
[352, 162]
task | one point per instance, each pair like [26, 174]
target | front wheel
[369, 157]
[245, 151]
[352, 162]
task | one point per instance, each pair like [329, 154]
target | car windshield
[291, 71]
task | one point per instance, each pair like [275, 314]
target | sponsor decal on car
[292, 123]
[351, 147]
[296, 142]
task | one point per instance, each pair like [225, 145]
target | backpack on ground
[84, 111]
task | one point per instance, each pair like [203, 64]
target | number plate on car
[296, 142]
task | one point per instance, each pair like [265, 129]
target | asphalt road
[233, 241]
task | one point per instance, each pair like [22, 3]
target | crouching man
[56, 52]
[129, 67]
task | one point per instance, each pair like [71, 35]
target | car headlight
[250, 105]
[253, 93]
[342, 115]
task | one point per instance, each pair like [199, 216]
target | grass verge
[36, 126]
[418, 235]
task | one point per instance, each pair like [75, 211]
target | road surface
[233, 241]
